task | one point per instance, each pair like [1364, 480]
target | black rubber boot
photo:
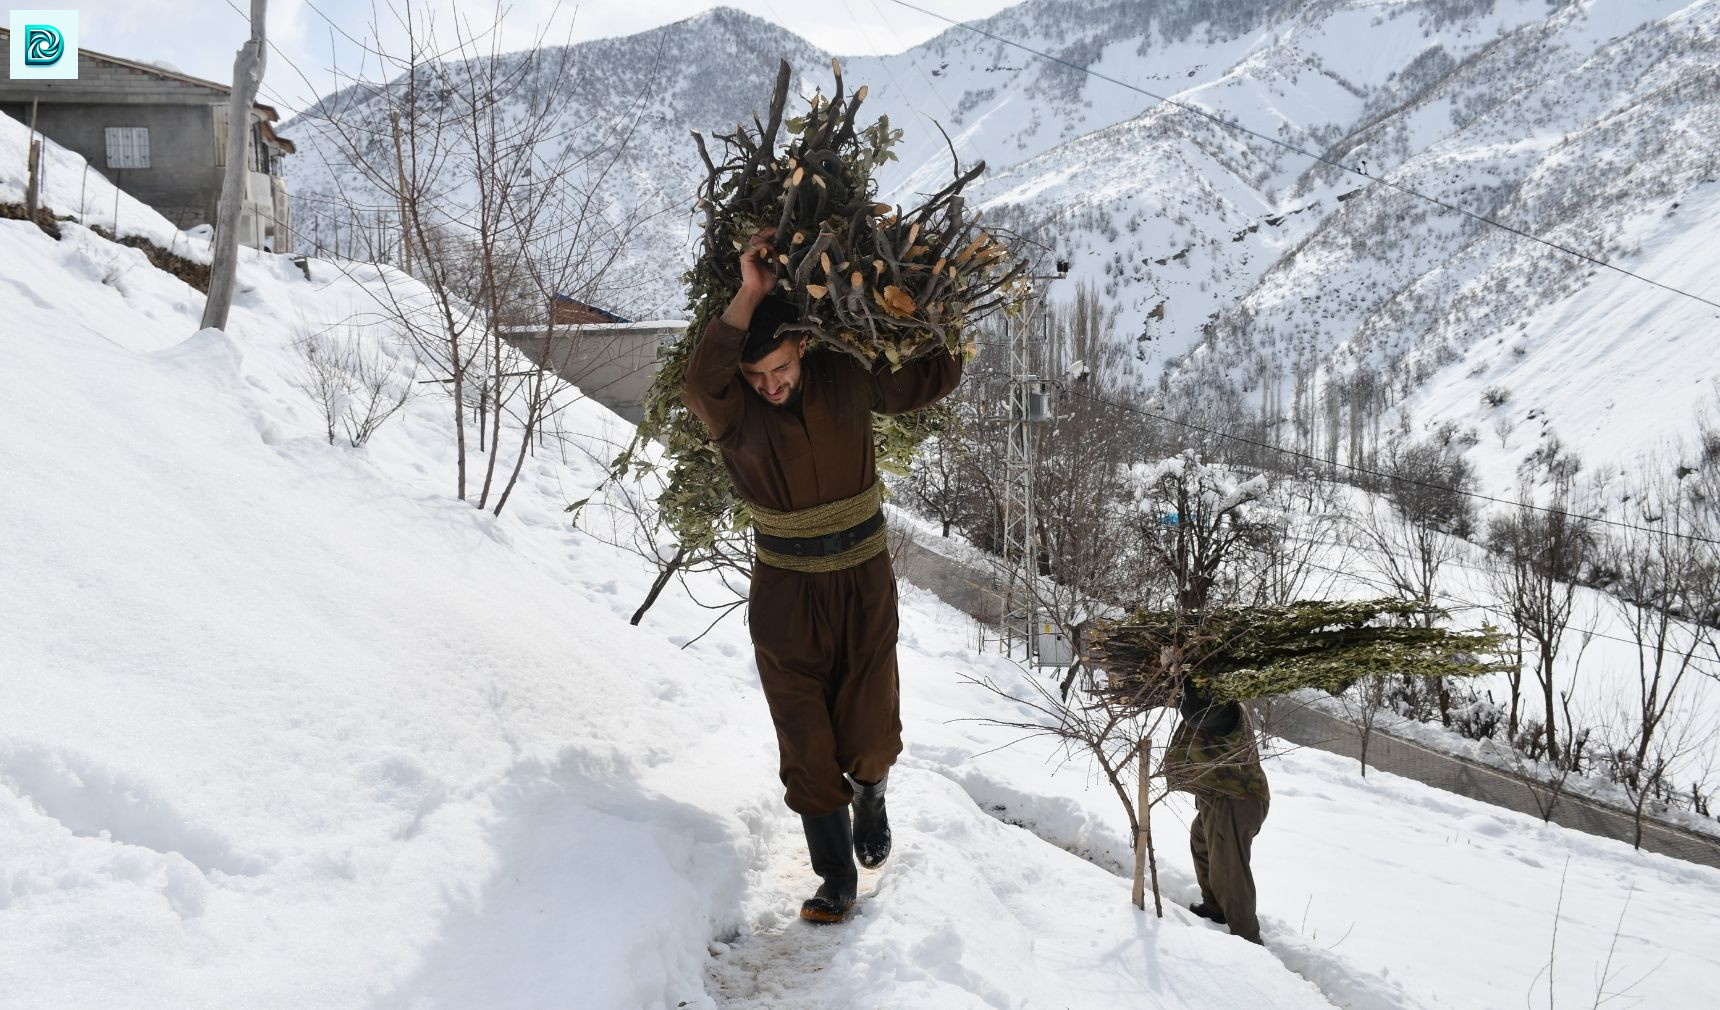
[830, 842]
[1207, 910]
[871, 824]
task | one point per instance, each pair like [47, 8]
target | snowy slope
[284, 725]
[1570, 126]
[1619, 370]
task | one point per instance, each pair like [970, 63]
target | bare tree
[1196, 520]
[1659, 581]
[1310, 550]
[321, 375]
[498, 194]
[1541, 555]
[1649, 775]
[937, 485]
[1363, 704]
[1095, 724]
[1419, 526]
[1089, 555]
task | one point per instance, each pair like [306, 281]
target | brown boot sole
[826, 915]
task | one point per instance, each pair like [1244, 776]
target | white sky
[201, 39]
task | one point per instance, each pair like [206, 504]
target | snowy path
[782, 955]
[972, 912]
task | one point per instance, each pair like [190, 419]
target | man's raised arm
[918, 383]
[712, 388]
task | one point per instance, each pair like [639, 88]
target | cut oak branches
[881, 283]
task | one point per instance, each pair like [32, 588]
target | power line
[1385, 476]
[1232, 124]
[907, 51]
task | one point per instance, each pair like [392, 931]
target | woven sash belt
[824, 538]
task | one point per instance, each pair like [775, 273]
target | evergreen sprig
[1254, 652]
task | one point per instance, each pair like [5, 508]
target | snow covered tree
[1196, 519]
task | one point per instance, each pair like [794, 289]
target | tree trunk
[400, 172]
[33, 189]
[1547, 688]
[534, 411]
[247, 75]
[1140, 893]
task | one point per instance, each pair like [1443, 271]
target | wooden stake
[1142, 835]
[1146, 863]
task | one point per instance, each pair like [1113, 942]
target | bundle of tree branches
[873, 281]
[1255, 652]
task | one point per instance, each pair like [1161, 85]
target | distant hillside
[1248, 277]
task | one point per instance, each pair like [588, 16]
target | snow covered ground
[285, 725]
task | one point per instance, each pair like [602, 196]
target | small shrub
[354, 383]
[1475, 717]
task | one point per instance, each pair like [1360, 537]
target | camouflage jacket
[1211, 764]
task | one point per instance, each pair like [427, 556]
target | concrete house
[611, 359]
[162, 137]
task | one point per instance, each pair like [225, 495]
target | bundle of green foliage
[883, 284]
[1254, 652]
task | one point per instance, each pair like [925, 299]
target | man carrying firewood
[1213, 755]
[795, 430]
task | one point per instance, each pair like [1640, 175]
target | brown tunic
[825, 641]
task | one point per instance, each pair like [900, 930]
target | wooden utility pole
[247, 75]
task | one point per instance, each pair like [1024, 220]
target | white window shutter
[127, 146]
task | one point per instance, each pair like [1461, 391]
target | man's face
[776, 375]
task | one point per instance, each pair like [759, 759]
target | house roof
[268, 111]
[605, 314]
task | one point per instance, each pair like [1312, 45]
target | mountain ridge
[1236, 264]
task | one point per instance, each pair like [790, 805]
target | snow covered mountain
[1242, 270]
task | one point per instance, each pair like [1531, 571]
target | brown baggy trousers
[1221, 837]
[826, 649]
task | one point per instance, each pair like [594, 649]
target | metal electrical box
[1050, 646]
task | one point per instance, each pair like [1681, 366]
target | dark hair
[1203, 713]
[762, 337]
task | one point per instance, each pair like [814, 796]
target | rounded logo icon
[43, 45]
